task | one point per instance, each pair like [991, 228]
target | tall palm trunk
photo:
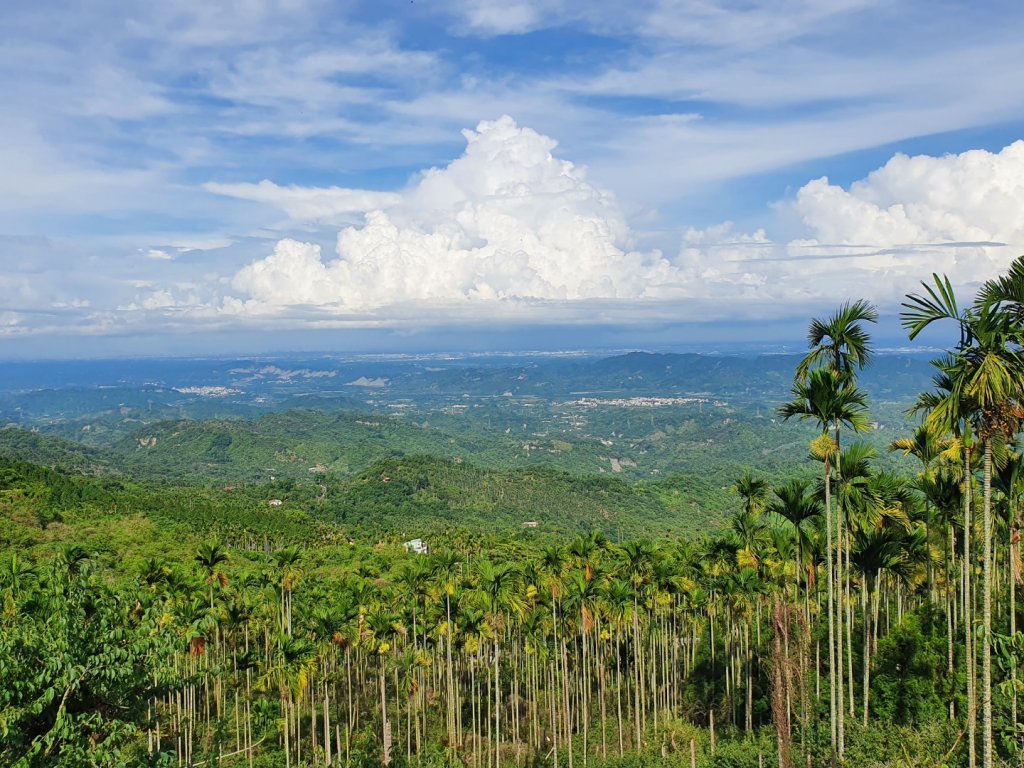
[452, 739]
[287, 730]
[849, 623]
[865, 619]
[497, 708]
[838, 591]
[1014, 573]
[637, 650]
[831, 612]
[986, 613]
[568, 708]
[618, 689]
[972, 705]
[950, 608]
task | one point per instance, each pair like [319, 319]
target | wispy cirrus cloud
[323, 205]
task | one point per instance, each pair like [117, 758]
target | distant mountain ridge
[185, 384]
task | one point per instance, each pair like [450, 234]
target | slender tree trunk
[748, 724]
[552, 711]
[849, 626]
[585, 698]
[618, 689]
[385, 723]
[986, 608]
[839, 593]
[568, 708]
[602, 686]
[780, 680]
[452, 740]
[865, 618]
[297, 715]
[327, 724]
[972, 706]
[833, 719]
[497, 709]
[950, 608]
[636, 666]
[1014, 570]
[287, 729]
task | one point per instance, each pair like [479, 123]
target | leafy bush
[911, 686]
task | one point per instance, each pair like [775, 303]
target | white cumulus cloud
[509, 230]
[972, 197]
[960, 215]
[505, 221]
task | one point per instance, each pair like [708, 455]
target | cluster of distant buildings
[207, 391]
[643, 402]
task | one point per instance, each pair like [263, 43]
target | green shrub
[910, 685]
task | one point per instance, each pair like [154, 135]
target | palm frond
[937, 303]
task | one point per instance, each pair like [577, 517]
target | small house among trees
[416, 546]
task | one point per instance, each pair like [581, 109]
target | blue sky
[273, 174]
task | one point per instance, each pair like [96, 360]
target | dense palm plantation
[845, 616]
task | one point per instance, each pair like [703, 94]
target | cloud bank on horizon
[271, 165]
[508, 227]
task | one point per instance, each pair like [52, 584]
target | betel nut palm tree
[827, 398]
[986, 376]
[211, 556]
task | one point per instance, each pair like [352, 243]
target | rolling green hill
[632, 443]
[52, 451]
[292, 444]
[396, 497]
[416, 495]
[521, 443]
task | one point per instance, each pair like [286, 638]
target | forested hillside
[687, 582]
